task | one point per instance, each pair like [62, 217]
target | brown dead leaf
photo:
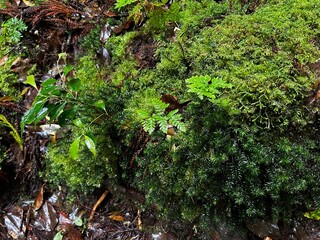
[39, 199]
[267, 238]
[21, 65]
[110, 14]
[72, 233]
[6, 99]
[117, 218]
[3, 60]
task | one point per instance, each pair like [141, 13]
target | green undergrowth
[10, 37]
[248, 147]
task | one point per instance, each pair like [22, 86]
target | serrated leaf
[142, 114]
[163, 125]
[78, 123]
[31, 81]
[100, 104]
[74, 148]
[149, 125]
[181, 126]
[91, 145]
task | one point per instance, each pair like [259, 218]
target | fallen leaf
[24, 91]
[39, 199]
[110, 14]
[6, 99]
[117, 218]
[64, 219]
[13, 221]
[3, 60]
[46, 219]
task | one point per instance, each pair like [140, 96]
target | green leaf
[63, 56]
[50, 90]
[205, 86]
[142, 114]
[66, 114]
[91, 145]
[32, 113]
[41, 114]
[49, 81]
[315, 215]
[57, 111]
[74, 148]
[163, 125]
[77, 221]
[31, 81]
[67, 69]
[78, 123]
[123, 3]
[58, 236]
[149, 125]
[100, 104]
[14, 133]
[90, 135]
[74, 84]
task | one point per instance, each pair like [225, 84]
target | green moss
[254, 156]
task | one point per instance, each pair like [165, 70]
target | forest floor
[29, 209]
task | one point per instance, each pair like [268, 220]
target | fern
[14, 133]
[123, 3]
[205, 86]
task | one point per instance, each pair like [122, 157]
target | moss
[254, 157]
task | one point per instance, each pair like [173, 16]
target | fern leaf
[14, 133]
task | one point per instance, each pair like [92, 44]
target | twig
[103, 196]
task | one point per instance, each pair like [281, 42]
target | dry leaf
[6, 99]
[24, 91]
[39, 199]
[4, 60]
[110, 14]
[117, 218]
